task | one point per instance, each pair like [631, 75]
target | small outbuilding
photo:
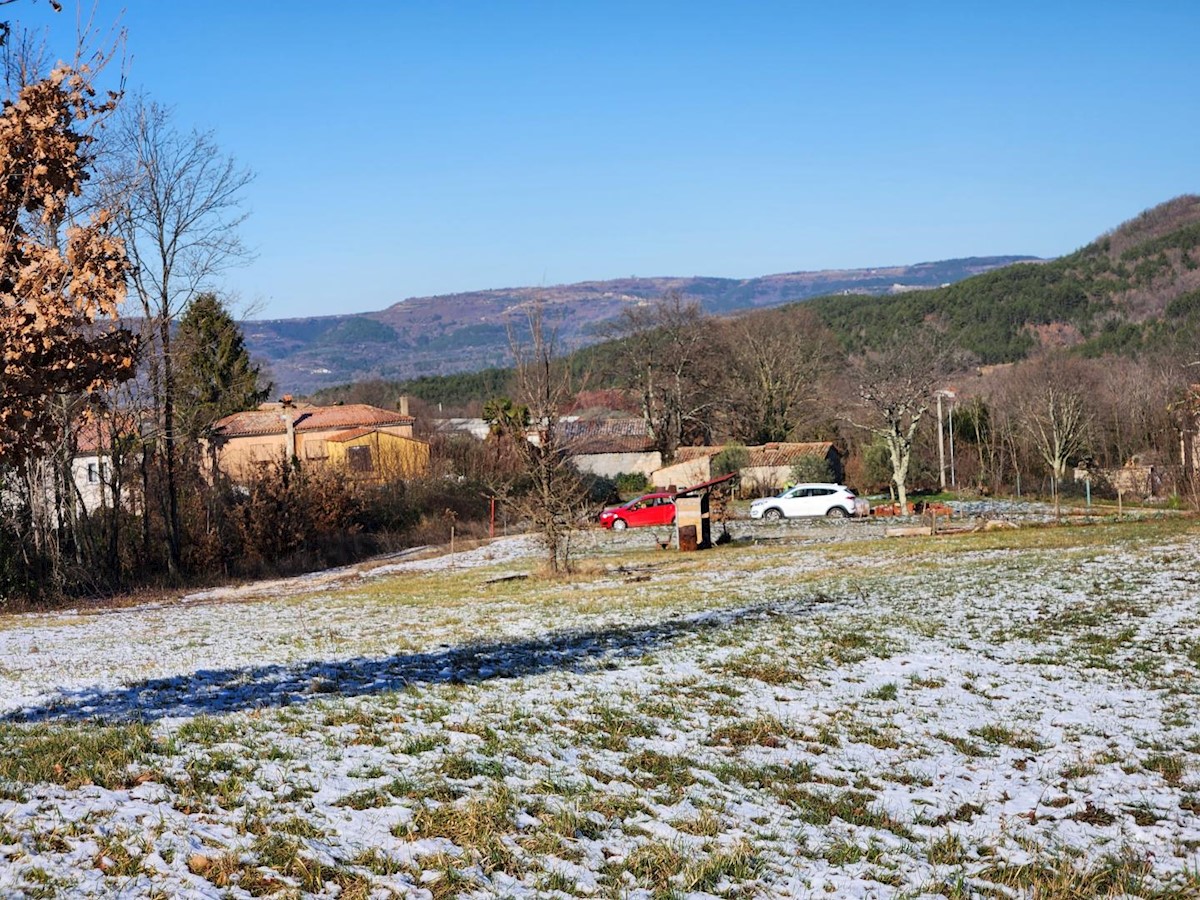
[768, 467]
[611, 447]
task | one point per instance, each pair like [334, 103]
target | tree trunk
[169, 454]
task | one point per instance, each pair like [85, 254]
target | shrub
[293, 518]
[600, 489]
[632, 483]
[732, 458]
[812, 469]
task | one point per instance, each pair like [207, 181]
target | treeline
[460, 391]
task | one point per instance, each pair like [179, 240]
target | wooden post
[452, 518]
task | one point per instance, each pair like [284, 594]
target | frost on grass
[818, 714]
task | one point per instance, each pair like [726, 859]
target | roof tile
[308, 418]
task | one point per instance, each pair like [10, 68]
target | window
[93, 473]
[359, 459]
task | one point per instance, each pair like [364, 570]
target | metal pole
[941, 445]
[953, 480]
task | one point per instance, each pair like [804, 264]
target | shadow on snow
[212, 692]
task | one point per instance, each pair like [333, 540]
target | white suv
[833, 500]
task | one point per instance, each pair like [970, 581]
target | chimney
[404, 404]
[288, 414]
[290, 421]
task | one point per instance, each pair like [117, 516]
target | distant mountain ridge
[469, 331]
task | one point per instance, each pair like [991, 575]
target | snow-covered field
[812, 711]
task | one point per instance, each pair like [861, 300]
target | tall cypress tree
[215, 375]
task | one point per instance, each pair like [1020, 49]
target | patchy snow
[808, 711]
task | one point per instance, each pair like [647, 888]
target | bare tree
[895, 390]
[181, 200]
[554, 499]
[776, 362]
[664, 357]
[1055, 413]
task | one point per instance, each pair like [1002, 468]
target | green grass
[1119, 874]
[478, 824]
[888, 691]
[652, 769]
[1003, 734]
[762, 731]
[72, 755]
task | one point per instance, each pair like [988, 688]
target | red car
[649, 509]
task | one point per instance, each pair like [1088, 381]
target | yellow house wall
[241, 457]
[391, 456]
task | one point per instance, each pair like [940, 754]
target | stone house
[610, 447]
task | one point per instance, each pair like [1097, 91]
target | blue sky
[413, 148]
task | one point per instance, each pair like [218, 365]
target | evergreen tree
[216, 376]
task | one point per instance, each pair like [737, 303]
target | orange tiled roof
[585, 436]
[308, 418]
[691, 454]
[95, 436]
[786, 454]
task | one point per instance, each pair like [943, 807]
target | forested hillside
[1138, 283]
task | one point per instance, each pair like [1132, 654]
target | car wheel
[773, 515]
[836, 512]
[620, 524]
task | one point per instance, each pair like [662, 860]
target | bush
[812, 469]
[732, 458]
[600, 489]
[632, 483]
[293, 519]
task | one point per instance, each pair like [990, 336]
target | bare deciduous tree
[180, 201]
[664, 357]
[1055, 413]
[776, 362]
[895, 389]
[554, 500]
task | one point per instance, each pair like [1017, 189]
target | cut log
[910, 531]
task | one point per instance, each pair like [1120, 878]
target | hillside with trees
[1137, 284]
